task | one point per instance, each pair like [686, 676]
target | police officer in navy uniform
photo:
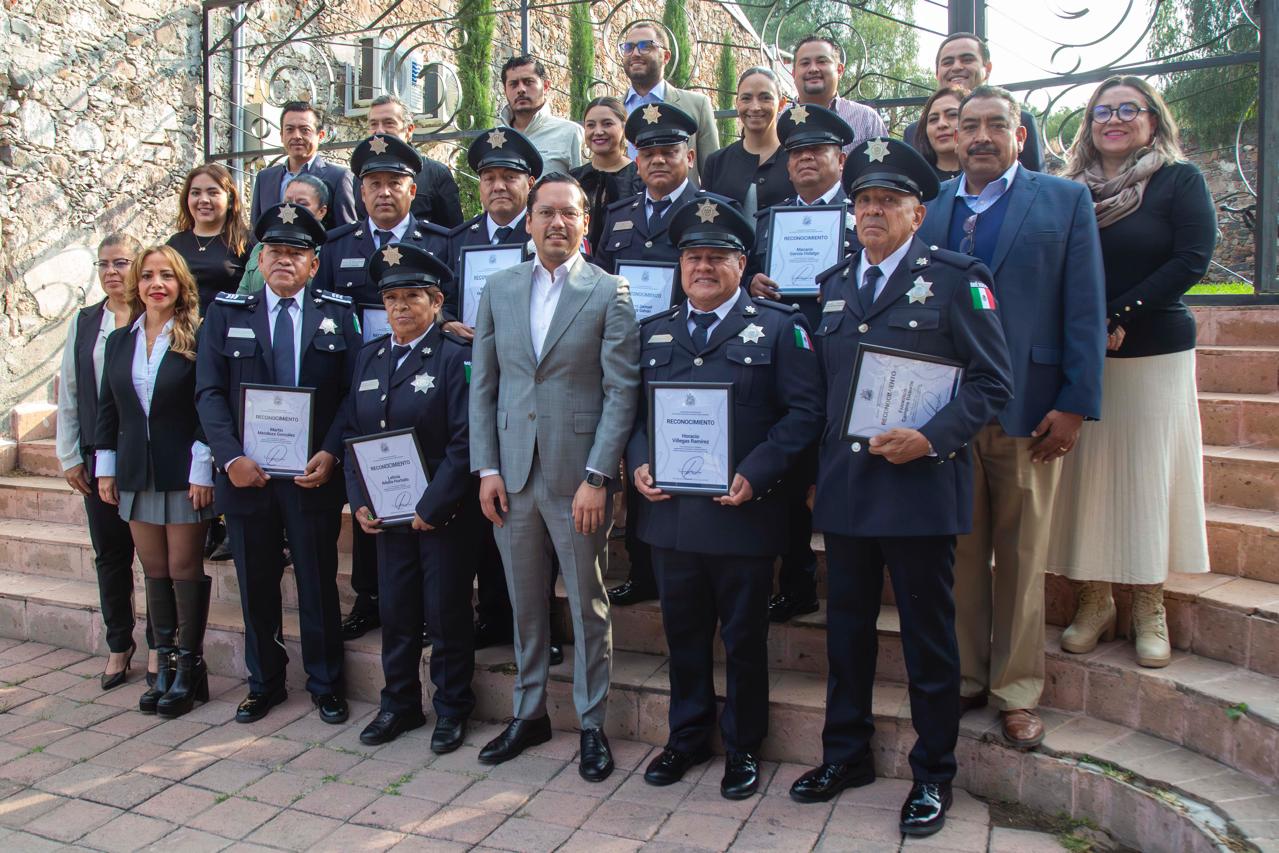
[900, 498]
[506, 164]
[814, 138]
[417, 377]
[385, 167]
[289, 334]
[638, 229]
[713, 556]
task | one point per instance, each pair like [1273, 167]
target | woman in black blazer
[153, 463]
[752, 170]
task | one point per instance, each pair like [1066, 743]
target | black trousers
[113, 560]
[922, 572]
[638, 552]
[425, 576]
[698, 591]
[364, 571]
[493, 602]
[798, 574]
[256, 542]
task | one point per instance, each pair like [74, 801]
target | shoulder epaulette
[626, 202]
[473, 222]
[953, 259]
[340, 231]
[668, 314]
[334, 297]
[380, 339]
[243, 300]
[457, 339]
[784, 307]
[431, 227]
[837, 268]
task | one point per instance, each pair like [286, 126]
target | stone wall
[98, 125]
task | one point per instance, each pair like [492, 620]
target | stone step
[39, 457]
[1246, 477]
[1244, 542]
[1240, 420]
[1237, 325]
[1150, 793]
[33, 421]
[1238, 370]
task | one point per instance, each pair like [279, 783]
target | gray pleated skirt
[153, 507]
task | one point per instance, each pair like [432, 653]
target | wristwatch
[595, 480]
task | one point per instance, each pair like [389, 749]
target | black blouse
[216, 268]
[1153, 256]
[732, 170]
[602, 189]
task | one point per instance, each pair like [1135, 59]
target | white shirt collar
[412, 345]
[824, 198]
[273, 299]
[676, 193]
[658, 91]
[721, 310]
[887, 266]
[141, 323]
[561, 271]
[399, 230]
[513, 224]
[992, 191]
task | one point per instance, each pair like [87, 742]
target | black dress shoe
[630, 593]
[924, 811]
[784, 607]
[971, 703]
[557, 654]
[255, 705]
[822, 783]
[517, 737]
[333, 708]
[488, 634]
[388, 725]
[358, 624]
[741, 776]
[111, 680]
[596, 760]
[448, 735]
[671, 765]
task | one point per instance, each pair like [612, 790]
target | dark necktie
[702, 333]
[398, 352]
[500, 235]
[659, 210]
[282, 356]
[384, 238]
[866, 293]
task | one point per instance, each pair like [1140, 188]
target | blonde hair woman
[153, 463]
[1130, 505]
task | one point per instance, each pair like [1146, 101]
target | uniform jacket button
[747, 359]
[914, 323]
[698, 361]
[383, 424]
[857, 447]
[863, 328]
[236, 353]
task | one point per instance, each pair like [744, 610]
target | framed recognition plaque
[652, 285]
[803, 241]
[275, 427]
[895, 388]
[392, 474]
[690, 437]
[478, 263]
[373, 322]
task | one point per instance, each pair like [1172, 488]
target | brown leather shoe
[1022, 728]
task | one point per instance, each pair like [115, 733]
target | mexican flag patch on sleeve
[983, 299]
[802, 340]
[468, 371]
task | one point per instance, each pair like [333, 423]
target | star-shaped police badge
[378, 145]
[329, 326]
[391, 255]
[752, 334]
[288, 213]
[497, 138]
[707, 211]
[423, 382]
[652, 114]
[876, 150]
[921, 291]
[799, 114]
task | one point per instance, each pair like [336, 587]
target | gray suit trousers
[537, 516]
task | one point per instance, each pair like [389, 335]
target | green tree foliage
[675, 18]
[726, 92]
[1208, 103]
[475, 73]
[581, 58]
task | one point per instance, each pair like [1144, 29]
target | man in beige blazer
[644, 58]
[554, 387]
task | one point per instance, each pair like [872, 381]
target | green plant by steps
[726, 92]
[1237, 710]
[675, 17]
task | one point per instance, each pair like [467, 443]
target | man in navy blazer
[302, 132]
[1038, 235]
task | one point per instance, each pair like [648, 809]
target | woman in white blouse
[78, 382]
[153, 463]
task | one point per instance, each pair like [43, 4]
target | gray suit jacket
[706, 142]
[576, 403]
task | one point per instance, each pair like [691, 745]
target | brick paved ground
[82, 769]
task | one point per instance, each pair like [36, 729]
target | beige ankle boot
[1150, 626]
[1094, 619]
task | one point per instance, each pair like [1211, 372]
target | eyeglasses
[1126, 112]
[547, 214]
[644, 46]
[119, 264]
[969, 242]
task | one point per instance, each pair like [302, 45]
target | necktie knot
[872, 277]
[866, 293]
[501, 234]
[398, 352]
[659, 209]
[287, 303]
[703, 322]
[384, 238]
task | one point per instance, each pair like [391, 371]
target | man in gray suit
[553, 396]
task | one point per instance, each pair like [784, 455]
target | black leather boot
[163, 615]
[191, 681]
